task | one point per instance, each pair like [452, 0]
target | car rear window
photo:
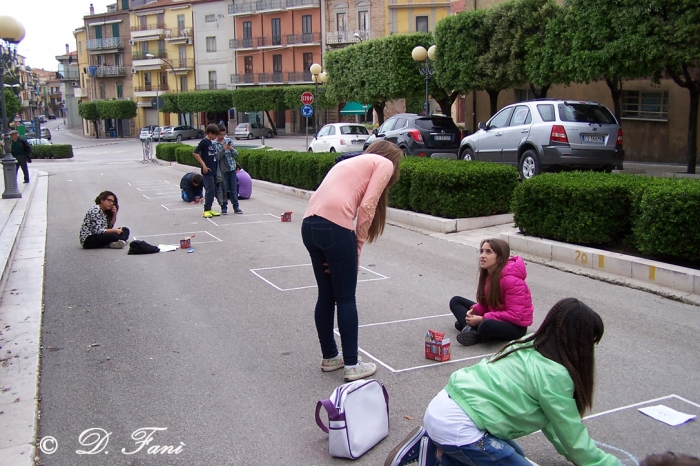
[353, 130]
[546, 112]
[242, 125]
[435, 122]
[585, 113]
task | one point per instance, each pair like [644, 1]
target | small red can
[186, 242]
[437, 347]
[286, 217]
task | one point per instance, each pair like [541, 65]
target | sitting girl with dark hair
[544, 381]
[98, 227]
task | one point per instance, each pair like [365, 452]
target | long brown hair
[392, 152]
[567, 336]
[493, 298]
[104, 195]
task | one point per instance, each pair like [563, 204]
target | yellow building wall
[401, 14]
[173, 57]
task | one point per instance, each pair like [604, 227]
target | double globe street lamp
[419, 54]
[318, 76]
[11, 34]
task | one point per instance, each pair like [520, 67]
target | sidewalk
[22, 254]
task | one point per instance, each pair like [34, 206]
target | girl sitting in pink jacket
[503, 310]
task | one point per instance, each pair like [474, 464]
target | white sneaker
[362, 370]
[117, 244]
[333, 364]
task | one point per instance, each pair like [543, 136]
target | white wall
[221, 61]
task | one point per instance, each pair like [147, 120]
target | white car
[39, 142]
[339, 137]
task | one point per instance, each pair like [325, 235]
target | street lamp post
[11, 34]
[419, 54]
[317, 76]
[150, 55]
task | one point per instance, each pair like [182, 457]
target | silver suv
[548, 134]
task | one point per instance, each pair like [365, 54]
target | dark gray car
[548, 134]
[178, 133]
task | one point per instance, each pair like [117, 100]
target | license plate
[592, 138]
[356, 142]
[443, 137]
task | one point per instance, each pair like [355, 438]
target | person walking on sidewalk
[542, 382]
[227, 168]
[503, 308]
[21, 150]
[355, 189]
[205, 153]
[98, 227]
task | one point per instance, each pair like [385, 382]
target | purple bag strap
[330, 408]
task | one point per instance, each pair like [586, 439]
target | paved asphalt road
[228, 363]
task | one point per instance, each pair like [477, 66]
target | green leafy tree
[12, 104]
[170, 104]
[88, 111]
[205, 101]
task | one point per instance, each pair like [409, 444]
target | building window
[161, 48]
[98, 32]
[125, 4]
[341, 23]
[363, 20]
[115, 30]
[276, 31]
[120, 91]
[308, 59]
[248, 65]
[652, 105]
[247, 29]
[521, 95]
[306, 26]
[80, 48]
[210, 18]
[118, 59]
[211, 44]
[102, 91]
[421, 24]
[183, 83]
[180, 23]
[232, 43]
[143, 23]
[160, 20]
[212, 80]
[101, 60]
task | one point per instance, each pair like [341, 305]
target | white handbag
[358, 418]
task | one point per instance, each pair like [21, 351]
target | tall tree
[12, 105]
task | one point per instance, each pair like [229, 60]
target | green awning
[354, 108]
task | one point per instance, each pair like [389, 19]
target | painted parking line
[236, 216]
[197, 240]
[255, 272]
[182, 206]
[146, 184]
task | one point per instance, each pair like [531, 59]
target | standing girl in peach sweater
[355, 188]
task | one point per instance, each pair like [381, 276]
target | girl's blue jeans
[489, 450]
[334, 249]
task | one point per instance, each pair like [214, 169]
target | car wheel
[405, 152]
[529, 165]
[269, 134]
[467, 154]
[200, 135]
[179, 138]
[332, 149]
[250, 136]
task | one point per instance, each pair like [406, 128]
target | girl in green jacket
[543, 381]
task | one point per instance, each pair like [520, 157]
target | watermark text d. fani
[96, 440]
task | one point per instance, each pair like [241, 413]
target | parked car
[151, 131]
[548, 134]
[252, 130]
[178, 133]
[39, 142]
[42, 118]
[52, 116]
[339, 137]
[425, 136]
[45, 134]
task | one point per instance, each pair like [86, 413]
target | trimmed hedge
[166, 150]
[183, 155]
[52, 151]
[657, 216]
[668, 220]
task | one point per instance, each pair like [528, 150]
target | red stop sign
[307, 98]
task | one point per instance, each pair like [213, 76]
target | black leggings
[101, 240]
[488, 329]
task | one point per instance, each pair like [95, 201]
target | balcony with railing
[269, 6]
[299, 76]
[271, 78]
[106, 43]
[179, 64]
[274, 77]
[147, 27]
[151, 88]
[107, 71]
[178, 36]
[147, 32]
[307, 38]
[68, 75]
[141, 55]
[246, 43]
[348, 37]
[211, 87]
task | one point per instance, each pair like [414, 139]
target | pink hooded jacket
[515, 295]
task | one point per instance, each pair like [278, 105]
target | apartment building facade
[404, 16]
[162, 44]
[69, 77]
[276, 42]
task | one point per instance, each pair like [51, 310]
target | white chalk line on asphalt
[236, 216]
[182, 235]
[255, 272]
